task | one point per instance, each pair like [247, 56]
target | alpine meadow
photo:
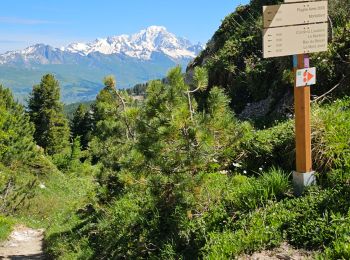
[196, 163]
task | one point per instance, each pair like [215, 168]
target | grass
[58, 197]
[210, 215]
[6, 226]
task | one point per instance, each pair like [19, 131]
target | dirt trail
[283, 252]
[23, 243]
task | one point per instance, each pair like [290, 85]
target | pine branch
[128, 131]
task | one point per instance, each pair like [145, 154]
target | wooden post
[303, 176]
[302, 123]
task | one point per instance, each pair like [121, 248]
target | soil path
[23, 244]
[284, 252]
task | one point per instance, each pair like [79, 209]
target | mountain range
[80, 67]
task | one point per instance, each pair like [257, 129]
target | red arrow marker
[309, 76]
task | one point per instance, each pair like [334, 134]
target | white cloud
[24, 21]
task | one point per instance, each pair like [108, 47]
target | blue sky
[59, 22]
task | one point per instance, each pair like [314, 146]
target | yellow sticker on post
[306, 77]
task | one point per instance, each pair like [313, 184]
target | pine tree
[114, 115]
[78, 119]
[82, 125]
[46, 112]
[16, 131]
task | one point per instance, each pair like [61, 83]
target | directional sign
[294, 1]
[293, 14]
[299, 39]
[306, 77]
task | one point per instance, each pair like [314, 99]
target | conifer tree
[114, 115]
[106, 110]
[46, 112]
[107, 124]
[82, 125]
[78, 119]
[16, 131]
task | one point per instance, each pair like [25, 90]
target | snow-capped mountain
[140, 45]
[80, 67]
[154, 39]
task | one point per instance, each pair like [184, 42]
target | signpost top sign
[297, 1]
[293, 14]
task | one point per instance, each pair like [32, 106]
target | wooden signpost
[297, 28]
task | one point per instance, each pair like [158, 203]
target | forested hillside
[262, 88]
[189, 172]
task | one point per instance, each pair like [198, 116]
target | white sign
[293, 14]
[306, 77]
[294, 1]
[297, 39]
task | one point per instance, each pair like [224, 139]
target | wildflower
[244, 171]
[223, 172]
[260, 169]
[236, 165]
[42, 186]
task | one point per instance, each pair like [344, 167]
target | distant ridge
[80, 67]
[141, 45]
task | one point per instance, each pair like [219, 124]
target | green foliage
[187, 138]
[57, 199]
[254, 193]
[113, 123]
[72, 158]
[234, 61]
[200, 78]
[171, 180]
[268, 147]
[138, 89]
[20, 160]
[46, 112]
[330, 141]
[71, 108]
[16, 140]
[331, 136]
[312, 222]
[82, 125]
[178, 176]
[333, 66]
[5, 227]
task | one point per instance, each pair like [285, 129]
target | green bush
[5, 227]
[331, 136]
[257, 192]
[270, 147]
[316, 221]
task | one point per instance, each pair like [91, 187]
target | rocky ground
[23, 243]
